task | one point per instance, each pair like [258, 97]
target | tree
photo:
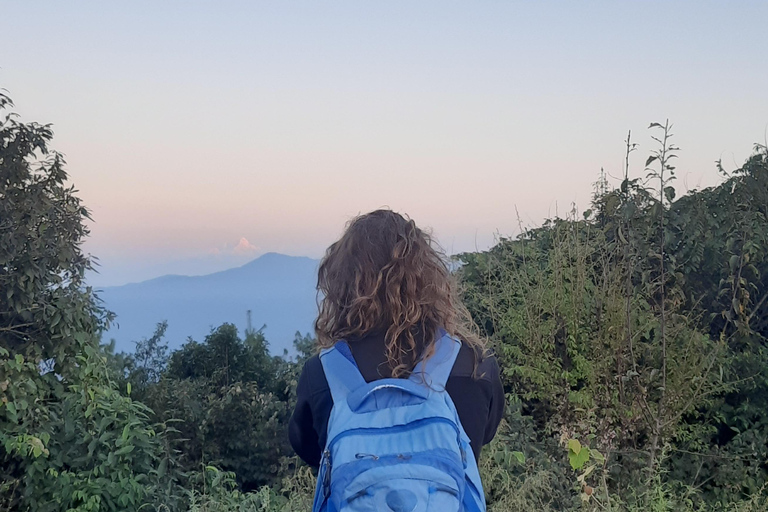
[232, 399]
[68, 439]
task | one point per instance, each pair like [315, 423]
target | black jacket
[479, 400]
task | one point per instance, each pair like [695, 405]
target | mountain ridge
[277, 288]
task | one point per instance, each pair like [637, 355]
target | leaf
[520, 456]
[733, 262]
[579, 460]
[124, 450]
[162, 468]
[621, 235]
[587, 472]
[578, 455]
[650, 160]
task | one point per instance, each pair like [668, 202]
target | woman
[388, 292]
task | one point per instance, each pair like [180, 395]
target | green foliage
[219, 492]
[103, 456]
[534, 481]
[632, 341]
[228, 401]
[224, 359]
[639, 328]
[68, 439]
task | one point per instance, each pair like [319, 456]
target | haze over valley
[279, 291]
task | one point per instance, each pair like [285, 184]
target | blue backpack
[396, 444]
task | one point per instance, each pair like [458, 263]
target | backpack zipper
[394, 429]
[399, 429]
[327, 475]
[377, 430]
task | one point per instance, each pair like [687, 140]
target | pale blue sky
[189, 126]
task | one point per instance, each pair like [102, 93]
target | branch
[14, 328]
[696, 395]
[757, 307]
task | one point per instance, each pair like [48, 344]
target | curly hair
[386, 275]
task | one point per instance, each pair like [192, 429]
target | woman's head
[385, 274]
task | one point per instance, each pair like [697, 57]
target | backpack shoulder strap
[434, 372]
[340, 371]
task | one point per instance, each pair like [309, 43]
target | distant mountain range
[279, 291]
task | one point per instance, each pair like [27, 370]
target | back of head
[385, 274]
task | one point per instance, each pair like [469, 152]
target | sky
[203, 134]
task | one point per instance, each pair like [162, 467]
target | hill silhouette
[279, 291]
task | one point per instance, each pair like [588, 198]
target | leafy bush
[68, 439]
[638, 330]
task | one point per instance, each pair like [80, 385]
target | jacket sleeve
[301, 428]
[498, 402]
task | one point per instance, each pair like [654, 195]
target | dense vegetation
[632, 339]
